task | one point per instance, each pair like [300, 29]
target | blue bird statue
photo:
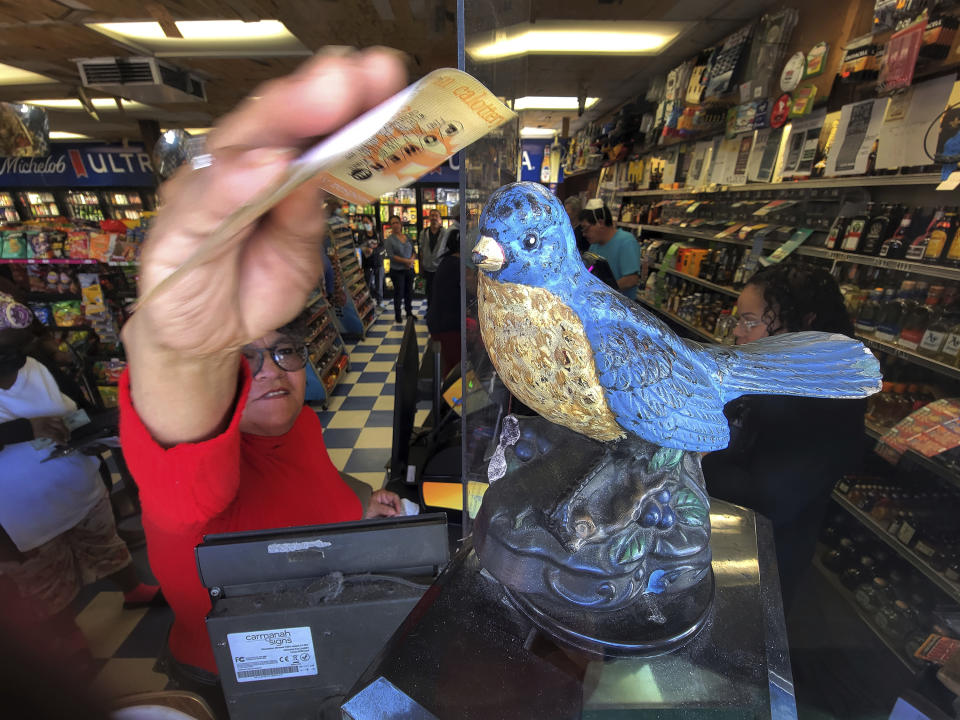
[584, 356]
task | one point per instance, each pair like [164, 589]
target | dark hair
[396, 217]
[453, 242]
[802, 297]
[597, 215]
[297, 328]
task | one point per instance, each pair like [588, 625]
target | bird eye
[531, 241]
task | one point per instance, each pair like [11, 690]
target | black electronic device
[599, 266]
[298, 613]
[404, 401]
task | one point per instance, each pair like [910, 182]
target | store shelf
[911, 357]
[699, 281]
[950, 588]
[47, 261]
[867, 620]
[820, 183]
[316, 333]
[932, 465]
[908, 266]
[329, 366]
[699, 332]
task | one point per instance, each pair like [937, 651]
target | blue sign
[80, 165]
[531, 159]
[448, 172]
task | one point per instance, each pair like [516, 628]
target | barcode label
[274, 653]
[268, 672]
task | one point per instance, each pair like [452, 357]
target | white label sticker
[272, 654]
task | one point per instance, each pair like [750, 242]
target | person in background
[212, 419]
[443, 313]
[431, 248]
[372, 249]
[786, 453]
[399, 250]
[574, 207]
[336, 296]
[618, 247]
[57, 529]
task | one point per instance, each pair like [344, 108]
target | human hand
[261, 277]
[384, 503]
[51, 427]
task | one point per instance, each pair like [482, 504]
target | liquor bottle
[950, 354]
[916, 319]
[918, 246]
[895, 246]
[869, 312]
[940, 236]
[836, 233]
[936, 334]
[878, 229]
[952, 254]
[891, 314]
[855, 229]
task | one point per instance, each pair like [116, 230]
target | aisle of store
[357, 425]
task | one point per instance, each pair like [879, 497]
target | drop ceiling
[46, 36]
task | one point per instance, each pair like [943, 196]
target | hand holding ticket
[389, 146]
[236, 247]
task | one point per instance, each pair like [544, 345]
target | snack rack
[38, 204]
[402, 202]
[8, 209]
[328, 360]
[83, 205]
[123, 204]
[359, 310]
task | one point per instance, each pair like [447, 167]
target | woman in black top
[371, 246]
[786, 453]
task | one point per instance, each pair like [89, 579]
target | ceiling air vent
[143, 79]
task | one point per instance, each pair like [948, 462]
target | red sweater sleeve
[182, 487]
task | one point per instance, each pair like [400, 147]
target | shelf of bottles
[701, 333]
[325, 347]
[402, 203]
[945, 467]
[898, 180]
[882, 510]
[351, 273]
[440, 199]
[866, 616]
[124, 205]
[8, 209]
[39, 204]
[83, 205]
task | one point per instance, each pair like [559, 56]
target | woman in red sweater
[217, 444]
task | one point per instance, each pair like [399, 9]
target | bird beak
[487, 254]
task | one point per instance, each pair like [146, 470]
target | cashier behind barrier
[213, 424]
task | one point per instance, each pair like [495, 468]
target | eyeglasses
[748, 324]
[288, 356]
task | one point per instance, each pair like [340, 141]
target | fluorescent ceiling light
[10, 75]
[62, 135]
[535, 102]
[75, 104]
[558, 37]
[207, 37]
[536, 132]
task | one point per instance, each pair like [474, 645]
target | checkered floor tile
[358, 431]
[358, 420]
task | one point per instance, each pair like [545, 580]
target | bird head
[526, 237]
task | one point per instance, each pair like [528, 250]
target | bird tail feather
[814, 364]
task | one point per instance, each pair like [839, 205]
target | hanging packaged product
[803, 100]
[727, 61]
[816, 60]
[938, 37]
[900, 58]
[860, 61]
[792, 72]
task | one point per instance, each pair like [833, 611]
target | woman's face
[754, 316]
[397, 227]
[276, 395]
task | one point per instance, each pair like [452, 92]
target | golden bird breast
[540, 350]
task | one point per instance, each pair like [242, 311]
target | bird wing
[656, 385]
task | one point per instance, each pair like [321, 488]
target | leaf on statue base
[664, 458]
[690, 509]
[630, 549]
